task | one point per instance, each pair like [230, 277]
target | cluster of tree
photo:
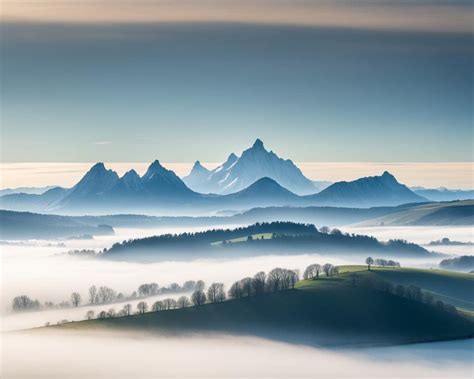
[278, 279]
[215, 235]
[151, 289]
[106, 295]
[24, 303]
[313, 270]
[83, 253]
[381, 262]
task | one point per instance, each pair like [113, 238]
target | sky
[318, 81]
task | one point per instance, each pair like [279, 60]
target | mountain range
[237, 173]
[258, 178]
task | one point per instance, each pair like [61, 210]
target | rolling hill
[25, 225]
[328, 312]
[286, 238]
[449, 213]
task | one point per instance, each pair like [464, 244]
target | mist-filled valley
[43, 270]
[215, 356]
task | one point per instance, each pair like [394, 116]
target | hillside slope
[448, 213]
[330, 313]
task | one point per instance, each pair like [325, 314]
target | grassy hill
[278, 238]
[329, 311]
[450, 287]
[447, 213]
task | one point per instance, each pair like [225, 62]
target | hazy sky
[122, 81]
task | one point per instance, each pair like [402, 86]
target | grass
[265, 236]
[450, 287]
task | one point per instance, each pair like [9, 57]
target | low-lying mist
[56, 354]
[39, 270]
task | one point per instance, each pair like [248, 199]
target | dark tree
[142, 307]
[92, 294]
[127, 309]
[216, 292]
[183, 302]
[235, 291]
[75, 299]
[157, 306]
[369, 261]
[258, 283]
[198, 297]
[246, 284]
[327, 268]
[90, 315]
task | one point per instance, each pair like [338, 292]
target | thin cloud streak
[388, 15]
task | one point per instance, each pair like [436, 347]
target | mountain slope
[254, 163]
[264, 192]
[31, 202]
[372, 191]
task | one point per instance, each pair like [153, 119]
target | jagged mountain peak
[199, 168]
[258, 145]
[154, 169]
[254, 163]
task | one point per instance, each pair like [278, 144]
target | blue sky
[83, 92]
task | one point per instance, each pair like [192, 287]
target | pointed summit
[97, 168]
[154, 168]
[96, 181]
[258, 144]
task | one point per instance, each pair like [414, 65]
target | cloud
[102, 143]
[454, 16]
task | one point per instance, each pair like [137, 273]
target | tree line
[278, 279]
[104, 295]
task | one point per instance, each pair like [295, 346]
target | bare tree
[200, 285]
[189, 285]
[23, 302]
[169, 304]
[369, 261]
[90, 315]
[216, 292]
[127, 309]
[327, 268]
[75, 299]
[235, 291]
[142, 307]
[198, 297]
[258, 283]
[92, 294]
[111, 312]
[274, 279]
[157, 306]
[183, 302]
[293, 277]
[246, 284]
[102, 315]
[106, 294]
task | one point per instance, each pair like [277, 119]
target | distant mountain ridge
[237, 173]
[382, 190]
[242, 181]
[443, 194]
